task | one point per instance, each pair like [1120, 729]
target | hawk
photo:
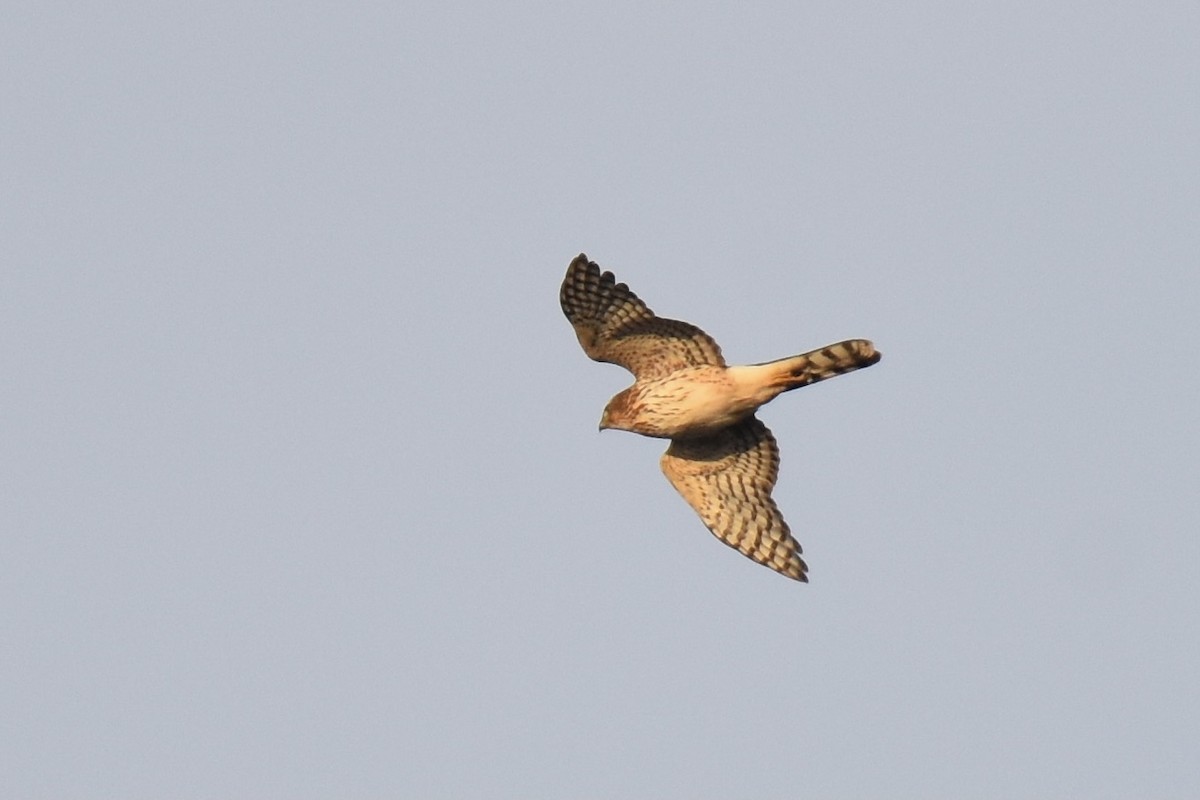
[722, 459]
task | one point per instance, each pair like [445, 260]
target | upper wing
[727, 477]
[613, 325]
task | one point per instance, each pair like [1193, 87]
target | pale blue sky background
[302, 489]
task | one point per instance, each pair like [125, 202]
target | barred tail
[831, 360]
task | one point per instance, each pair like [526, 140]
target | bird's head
[617, 414]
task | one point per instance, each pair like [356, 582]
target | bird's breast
[690, 402]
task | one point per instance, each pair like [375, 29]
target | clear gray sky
[302, 493]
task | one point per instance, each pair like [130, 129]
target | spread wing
[613, 325]
[728, 477]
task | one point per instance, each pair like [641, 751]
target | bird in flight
[722, 459]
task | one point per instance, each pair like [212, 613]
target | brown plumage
[722, 459]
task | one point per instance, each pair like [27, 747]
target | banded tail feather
[831, 360]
